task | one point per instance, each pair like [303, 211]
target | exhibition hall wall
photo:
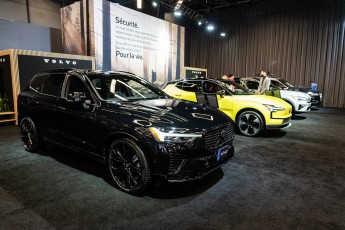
[298, 40]
[20, 35]
[123, 39]
[30, 25]
[39, 12]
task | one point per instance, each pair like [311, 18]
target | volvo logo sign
[59, 61]
[221, 137]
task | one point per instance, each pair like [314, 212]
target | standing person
[265, 82]
[229, 77]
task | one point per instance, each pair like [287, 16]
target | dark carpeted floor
[291, 179]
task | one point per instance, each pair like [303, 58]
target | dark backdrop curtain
[299, 40]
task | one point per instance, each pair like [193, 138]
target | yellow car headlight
[274, 108]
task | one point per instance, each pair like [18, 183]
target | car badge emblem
[221, 137]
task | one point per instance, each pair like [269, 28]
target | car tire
[250, 123]
[128, 166]
[28, 134]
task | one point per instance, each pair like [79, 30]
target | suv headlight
[273, 108]
[173, 135]
[299, 98]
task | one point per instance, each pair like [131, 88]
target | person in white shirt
[265, 82]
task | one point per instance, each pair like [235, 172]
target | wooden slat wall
[299, 40]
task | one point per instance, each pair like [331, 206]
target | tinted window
[179, 85]
[52, 84]
[37, 82]
[120, 87]
[75, 84]
[211, 87]
[252, 85]
[49, 84]
[191, 86]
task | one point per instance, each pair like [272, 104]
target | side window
[191, 86]
[179, 85]
[52, 85]
[252, 85]
[49, 84]
[211, 87]
[75, 84]
[37, 82]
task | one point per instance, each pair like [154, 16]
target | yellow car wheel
[250, 123]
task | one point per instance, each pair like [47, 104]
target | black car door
[46, 89]
[76, 111]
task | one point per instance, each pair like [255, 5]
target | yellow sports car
[252, 113]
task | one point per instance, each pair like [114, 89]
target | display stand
[17, 67]
[7, 117]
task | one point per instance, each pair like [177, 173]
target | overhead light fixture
[177, 13]
[139, 4]
[210, 27]
[199, 23]
[154, 4]
[222, 34]
[178, 4]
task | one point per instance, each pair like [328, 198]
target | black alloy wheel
[250, 123]
[28, 134]
[128, 166]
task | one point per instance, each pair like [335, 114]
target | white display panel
[128, 40]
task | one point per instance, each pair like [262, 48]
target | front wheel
[250, 123]
[128, 166]
[28, 134]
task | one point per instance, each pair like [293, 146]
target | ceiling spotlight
[178, 4]
[223, 34]
[199, 23]
[177, 13]
[154, 4]
[210, 27]
[139, 4]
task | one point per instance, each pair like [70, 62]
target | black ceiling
[203, 7]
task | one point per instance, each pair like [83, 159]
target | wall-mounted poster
[192, 72]
[124, 39]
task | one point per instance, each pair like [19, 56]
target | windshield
[235, 88]
[285, 82]
[124, 88]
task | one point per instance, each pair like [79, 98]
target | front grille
[218, 136]
[175, 162]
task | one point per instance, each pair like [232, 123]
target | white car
[300, 102]
[316, 97]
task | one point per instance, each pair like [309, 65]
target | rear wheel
[250, 123]
[28, 134]
[128, 166]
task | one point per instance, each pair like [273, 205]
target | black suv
[127, 123]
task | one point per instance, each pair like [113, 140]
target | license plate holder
[222, 152]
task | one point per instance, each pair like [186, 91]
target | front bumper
[285, 124]
[178, 162]
[182, 168]
[302, 107]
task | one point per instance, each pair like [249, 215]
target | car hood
[263, 99]
[294, 93]
[171, 113]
